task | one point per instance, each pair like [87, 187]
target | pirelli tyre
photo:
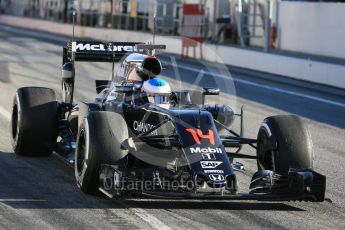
[284, 143]
[34, 121]
[99, 141]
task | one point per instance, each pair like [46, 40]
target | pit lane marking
[5, 113]
[280, 90]
[153, 221]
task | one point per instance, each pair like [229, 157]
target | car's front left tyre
[99, 142]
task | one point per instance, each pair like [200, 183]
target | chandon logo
[142, 127]
[197, 135]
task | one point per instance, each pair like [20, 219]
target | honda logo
[217, 177]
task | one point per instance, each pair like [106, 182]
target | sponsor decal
[208, 156]
[217, 177]
[197, 135]
[143, 127]
[210, 164]
[102, 47]
[206, 150]
[213, 171]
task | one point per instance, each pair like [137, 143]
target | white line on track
[21, 200]
[153, 221]
[280, 90]
[150, 219]
[5, 113]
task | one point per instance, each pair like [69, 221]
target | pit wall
[312, 27]
[298, 68]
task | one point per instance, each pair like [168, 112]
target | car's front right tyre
[284, 143]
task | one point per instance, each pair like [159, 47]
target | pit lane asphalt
[40, 193]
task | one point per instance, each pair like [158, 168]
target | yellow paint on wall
[82, 32]
[134, 9]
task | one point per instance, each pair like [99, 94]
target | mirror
[210, 91]
[124, 88]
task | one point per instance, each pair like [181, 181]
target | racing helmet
[157, 91]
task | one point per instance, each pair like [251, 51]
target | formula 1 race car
[141, 137]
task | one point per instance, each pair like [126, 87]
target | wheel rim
[80, 161]
[265, 157]
[15, 123]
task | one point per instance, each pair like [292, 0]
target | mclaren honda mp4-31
[140, 137]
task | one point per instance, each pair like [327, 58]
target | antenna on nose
[154, 25]
[154, 29]
[73, 25]
[73, 36]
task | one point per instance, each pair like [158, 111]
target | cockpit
[138, 67]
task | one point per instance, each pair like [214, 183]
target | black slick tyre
[99, 142]
[34, 121]
[284, 143]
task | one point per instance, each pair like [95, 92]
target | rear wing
[96, 51]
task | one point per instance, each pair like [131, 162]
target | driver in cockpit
[156, 91]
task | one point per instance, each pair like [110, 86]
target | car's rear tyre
[284, 143]
[99, 142]
[34, 121]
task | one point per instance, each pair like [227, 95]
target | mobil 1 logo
[208, 156]
[207, 153]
